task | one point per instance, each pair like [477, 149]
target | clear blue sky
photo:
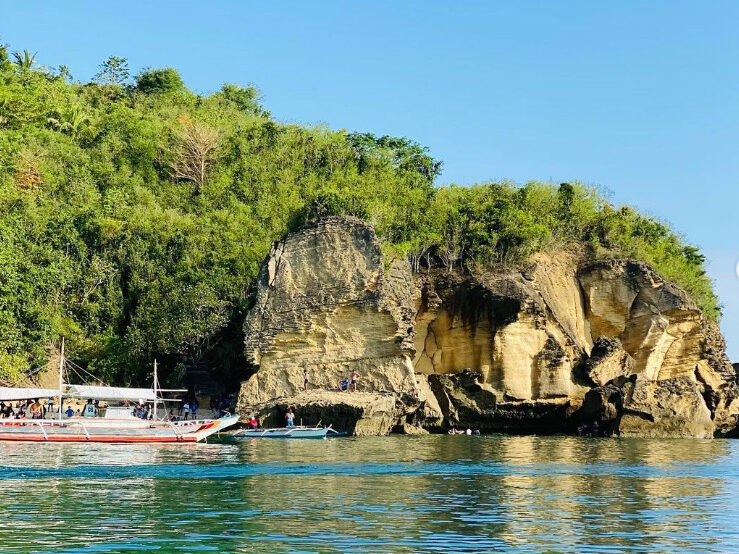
[639, 97]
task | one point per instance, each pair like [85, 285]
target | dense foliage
[134, 216]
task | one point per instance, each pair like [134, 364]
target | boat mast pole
[61, 379]
[155, 389]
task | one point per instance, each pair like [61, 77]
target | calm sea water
[435, 493]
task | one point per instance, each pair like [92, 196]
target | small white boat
[298, 432]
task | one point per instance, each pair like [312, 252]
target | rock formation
[328, 304]
[563, 345]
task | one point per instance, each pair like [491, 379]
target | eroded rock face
[468, 403]
[562, 346]
[657, 324]
[601, 411]
[608, 361]
[672, 407]
[326, 303]
[500, 325]
[667, 342]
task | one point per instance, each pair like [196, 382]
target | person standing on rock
[355, 380]
[305, 378]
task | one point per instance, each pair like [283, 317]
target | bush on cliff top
[134, 222]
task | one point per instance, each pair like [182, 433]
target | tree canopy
[134, 218]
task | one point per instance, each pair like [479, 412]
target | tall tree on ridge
[113, 71]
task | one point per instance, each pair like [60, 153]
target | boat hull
[156, 432]
[284, 433]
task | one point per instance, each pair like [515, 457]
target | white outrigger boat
[297, 432]
[77, 430]
[118, 424]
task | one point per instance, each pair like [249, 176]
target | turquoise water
[436, 493]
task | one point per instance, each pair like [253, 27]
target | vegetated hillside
[134, 215]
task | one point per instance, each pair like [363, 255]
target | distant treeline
[134, 215]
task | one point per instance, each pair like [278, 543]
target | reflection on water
[436, 493]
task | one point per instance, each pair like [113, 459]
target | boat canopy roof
[110, 393]
[13, 393]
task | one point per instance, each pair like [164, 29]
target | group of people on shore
[189, 406]
[347, 383]
[350, 384]
[188, 409]
[222, 406]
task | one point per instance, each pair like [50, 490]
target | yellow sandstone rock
[509, 350]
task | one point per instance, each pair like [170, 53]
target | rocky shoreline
[566, 345]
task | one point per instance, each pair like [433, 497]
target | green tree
[246, 98]
[157, 81]
[64, 73]
[25, 60]
[406, 155]
[113, 71]
[4, 58]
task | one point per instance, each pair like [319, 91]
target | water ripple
[400, 494]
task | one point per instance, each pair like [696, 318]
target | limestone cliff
[564, 345]
[327, 303]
